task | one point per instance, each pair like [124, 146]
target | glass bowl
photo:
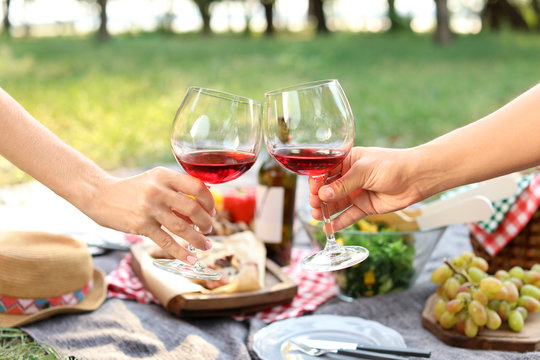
[395, 260]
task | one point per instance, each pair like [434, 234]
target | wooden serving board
[279, 289]
[528, 339]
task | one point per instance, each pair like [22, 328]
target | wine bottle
[274, 214]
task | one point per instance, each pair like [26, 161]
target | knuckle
[339, 186]
[314, 201]
[189, 207]
[198, 241]
[206, 222]
[150, 190]
[167, 243]
[179, 227]
[158, 171]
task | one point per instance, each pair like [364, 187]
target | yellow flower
[366, 226]
[369, 278]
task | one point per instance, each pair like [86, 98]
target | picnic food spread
[390, 266]
[470, 298]
[240, 258]
[474, 309]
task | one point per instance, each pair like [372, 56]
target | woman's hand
[144, 203]
[369, 181]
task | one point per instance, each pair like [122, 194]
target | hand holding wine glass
[309, 129]
[215, 138]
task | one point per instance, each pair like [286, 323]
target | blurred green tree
[396, 21]
[6, 24]
[204, 9]
[269, 15]
[316, 12]
[443, 33]
[497, 13]
[103, 31]
[536, 8]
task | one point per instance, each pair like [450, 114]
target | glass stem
[191, 249]
[331, 243]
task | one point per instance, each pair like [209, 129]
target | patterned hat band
[22, 306]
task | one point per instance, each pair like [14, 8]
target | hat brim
[95, 297]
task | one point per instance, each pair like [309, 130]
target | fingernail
[208, 245]
[214, 212]
[328, 192]
[191, 259]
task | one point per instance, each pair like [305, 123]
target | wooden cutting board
[528, 339]
[279, 289]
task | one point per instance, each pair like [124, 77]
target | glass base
[345, 297]
[178, 267]
[335, 259]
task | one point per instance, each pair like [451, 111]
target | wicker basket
[523, 250]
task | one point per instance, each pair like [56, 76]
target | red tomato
[240, 203]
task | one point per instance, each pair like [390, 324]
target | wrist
[90, 190]
[425, 171]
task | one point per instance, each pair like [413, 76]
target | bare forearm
[505, 141]
[37, 151]
[140, 204]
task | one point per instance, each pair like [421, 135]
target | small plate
[99, 242]
[272, 341]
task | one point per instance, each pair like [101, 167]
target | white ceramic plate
[272, 341]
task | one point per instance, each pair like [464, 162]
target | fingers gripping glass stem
[309, 130]
[331, 243]
[216, 138]
[333, 256]
[198, 266]
[196, 270]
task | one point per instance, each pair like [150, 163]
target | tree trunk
[6, 22]
[316, 10]
[497, 11]
[269, 15]
[204, 9]
[395, 23]
[536, 8]
[443, 34]
[103, 32]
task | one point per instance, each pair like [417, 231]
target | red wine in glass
[309, 129]
[309, 161]
[216, 166]
[215, 137]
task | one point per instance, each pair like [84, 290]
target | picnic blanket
[127, 329]
[314, 288]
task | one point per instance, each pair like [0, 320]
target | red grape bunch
[471, 299]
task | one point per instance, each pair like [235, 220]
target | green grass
[115, 101]
[17, 345]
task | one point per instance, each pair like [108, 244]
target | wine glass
[309, 130]
[216, 138]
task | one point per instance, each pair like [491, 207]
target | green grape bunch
[470, 299]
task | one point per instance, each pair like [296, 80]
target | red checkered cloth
[124, 284]
[314, 288]
[517, 217]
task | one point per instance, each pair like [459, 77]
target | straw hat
[43, 274]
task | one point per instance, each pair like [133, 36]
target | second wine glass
[215, 138]
[309, 129]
